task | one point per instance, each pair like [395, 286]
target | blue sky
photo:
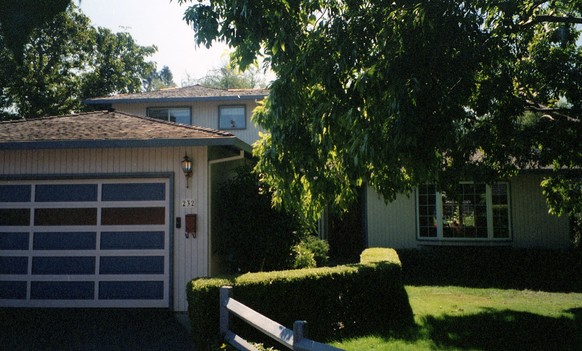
[160, 23]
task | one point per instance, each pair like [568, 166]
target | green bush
[337, 302]
[311, 252]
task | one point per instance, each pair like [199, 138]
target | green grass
[457, 318]
[487, 299]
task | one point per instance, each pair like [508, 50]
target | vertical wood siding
[190, 256]
[204, 114]
[392, 224]
[532, 225]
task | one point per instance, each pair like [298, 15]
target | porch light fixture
[187, 167]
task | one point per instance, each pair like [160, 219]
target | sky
[159, 23]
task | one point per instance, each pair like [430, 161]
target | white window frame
[489, 208]
[221, 126]
[168, 110]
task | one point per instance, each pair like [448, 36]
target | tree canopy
[397, 93]
[228, 76]
[65, 60]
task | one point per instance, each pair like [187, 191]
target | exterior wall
[190, 256]
[532, 225]
[204, 114]
[394, 224]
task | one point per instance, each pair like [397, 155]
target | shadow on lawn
[505, 330]
[503, 268]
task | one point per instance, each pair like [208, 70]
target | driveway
[92, 329]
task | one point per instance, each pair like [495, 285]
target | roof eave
[93, 144]
[102, 101]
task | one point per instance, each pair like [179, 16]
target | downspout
[211, 163]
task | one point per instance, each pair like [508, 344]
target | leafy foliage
[229, 77]
[397, 93]
[65, 60]
[252, 235]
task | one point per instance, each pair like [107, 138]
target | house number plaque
[188, 203]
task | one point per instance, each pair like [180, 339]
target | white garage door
[85, 243]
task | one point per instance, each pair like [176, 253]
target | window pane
[133, 216]
[65, 241]
[15, 193]
[62, 290]
[65, 216]
[158, 113]
[14, 217]
[427, 211]
[63, 265]
[232, 117]
[13, 241]
[134, 192]
[66, 193]
[180, 115]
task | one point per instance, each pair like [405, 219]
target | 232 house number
[188, 203]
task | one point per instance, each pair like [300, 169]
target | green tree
[397, 93]
[117, 65]
[65, 60]
[230, 77]
[160, 80]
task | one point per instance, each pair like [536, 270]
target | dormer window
[180, 115]
[232, 117]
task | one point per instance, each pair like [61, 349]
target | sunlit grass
[457, 318]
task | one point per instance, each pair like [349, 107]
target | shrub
[340, 301]
[311, 252]
[251, 234]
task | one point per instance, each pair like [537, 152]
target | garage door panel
[65, 193]
[14, 217]
[13, 290]
[65, 216]
[132, 240]
[14, 265]
[133, 216]
[48, 290]
[14, 241]
[65, 241]
[132, 265]
[15, 193]
[63, 265]
[121, 290]
[134, 192]
[85, 243]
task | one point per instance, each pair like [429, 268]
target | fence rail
[295, 339]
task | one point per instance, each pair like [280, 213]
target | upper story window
[180, 115]
[474, 211]
[232, 117]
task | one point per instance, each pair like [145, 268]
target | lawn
[458, 318]
[487, 299]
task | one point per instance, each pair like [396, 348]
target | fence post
[225, 294]
[299, 332]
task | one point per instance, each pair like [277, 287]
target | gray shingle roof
[106, 129]
[192, 93]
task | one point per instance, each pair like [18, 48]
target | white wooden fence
[293, 339]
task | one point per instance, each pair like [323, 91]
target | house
[97, 211]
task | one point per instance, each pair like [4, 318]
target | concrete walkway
[92, 329]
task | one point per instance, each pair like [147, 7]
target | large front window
[472, 211]
[180, 115]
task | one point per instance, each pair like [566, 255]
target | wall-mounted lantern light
[187, 168]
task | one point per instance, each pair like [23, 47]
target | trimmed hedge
[340, 301]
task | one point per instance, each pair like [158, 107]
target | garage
[85, 243]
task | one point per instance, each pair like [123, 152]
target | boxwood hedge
[339, 301]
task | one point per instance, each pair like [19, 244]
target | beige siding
[532, 225]
[190, 256]
[204, 114]
[392, 224]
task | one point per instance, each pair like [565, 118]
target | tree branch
[553, 19]
[551, 113]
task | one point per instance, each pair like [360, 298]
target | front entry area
[85, 243]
